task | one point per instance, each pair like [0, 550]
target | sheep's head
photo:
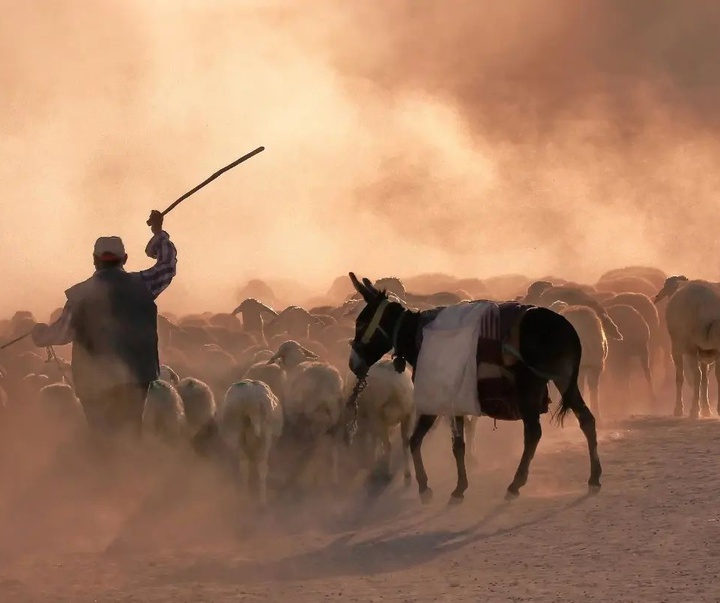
[535, 290]
[558, 306]
[291, 353]
[169, 375]
[671, 285]
[250, 304]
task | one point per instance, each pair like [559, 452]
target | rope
[352, 406]
[52, 357]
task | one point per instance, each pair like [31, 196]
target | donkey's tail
[572, 399]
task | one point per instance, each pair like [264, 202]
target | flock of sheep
[244, 384]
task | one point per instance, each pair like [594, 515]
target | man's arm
[158, 277]
[58, 333]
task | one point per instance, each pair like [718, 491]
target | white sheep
[270, 374]
[693, 322]
[387, 401]
[199, 404]
[164, 412]
[250, 422]
[312, 400]
[594, 350]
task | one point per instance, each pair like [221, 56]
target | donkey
[549, 349]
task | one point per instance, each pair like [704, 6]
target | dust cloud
[469, 138]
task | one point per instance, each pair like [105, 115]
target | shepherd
[111, 320]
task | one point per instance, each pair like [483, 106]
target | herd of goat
[260, 378]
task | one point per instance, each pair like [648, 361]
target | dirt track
[652, 534]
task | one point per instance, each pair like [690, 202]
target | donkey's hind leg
[458, 447]
[531, 393]
[532, 431]
[425, 422]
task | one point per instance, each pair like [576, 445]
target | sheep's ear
[274, 359]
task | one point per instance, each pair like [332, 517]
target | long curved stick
[215, 175]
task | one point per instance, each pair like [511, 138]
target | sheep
[168, 375]
[627, 284]
[250, 422]
[634, 345]
[270, 374]
[559, 306]
[594, 350]
[659, 339]
[164, 413]
[387, 401]
[535, 290]
[693, 322]
[251, 311]
[293, 321]
[199, 405]
[656, 276]
[574, 296]
[312, 400]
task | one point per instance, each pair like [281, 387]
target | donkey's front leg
[532, 435]
[425, 422]
[458, 447]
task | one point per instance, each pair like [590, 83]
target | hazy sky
[475, 138]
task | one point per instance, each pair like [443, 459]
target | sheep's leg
[678, 361]
[470, 440]
[704, 404]
[592, 378]
[458, 448]
[405, 433]
[696, 376]
[425, 422]
[647, 372]
[381, 471]
[717, 379]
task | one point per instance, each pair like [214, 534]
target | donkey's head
[374, 327]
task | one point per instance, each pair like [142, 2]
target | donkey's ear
[360, 287]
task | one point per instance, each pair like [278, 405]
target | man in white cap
[111, 320]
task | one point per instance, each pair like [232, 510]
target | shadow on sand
[342, 557]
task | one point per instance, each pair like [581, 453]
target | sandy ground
[162, 532]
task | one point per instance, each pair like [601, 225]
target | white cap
[109, 248]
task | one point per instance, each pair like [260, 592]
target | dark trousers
[117, 410]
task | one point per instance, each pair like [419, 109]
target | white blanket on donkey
[446, 370]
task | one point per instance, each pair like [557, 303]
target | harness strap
[375, 322]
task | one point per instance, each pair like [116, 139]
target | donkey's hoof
[426, 496]
[407, 480]
[512, 494]
[678, 412]
[455, 499]
[593, 488]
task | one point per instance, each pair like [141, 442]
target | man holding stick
[111, 320]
